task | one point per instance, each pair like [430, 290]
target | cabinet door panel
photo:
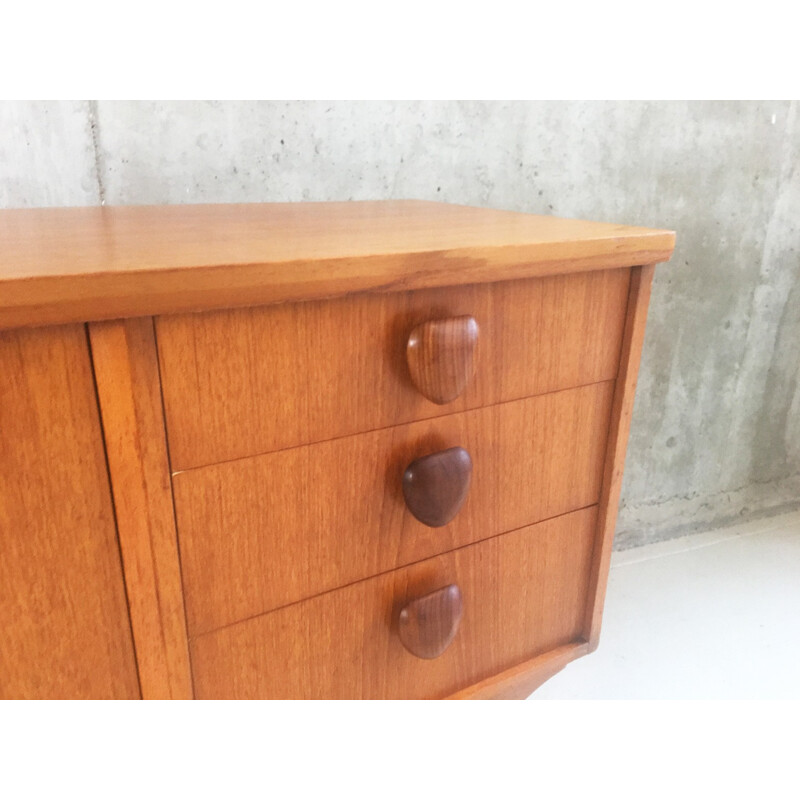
[63, 612]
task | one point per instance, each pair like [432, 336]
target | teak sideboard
[313, 450]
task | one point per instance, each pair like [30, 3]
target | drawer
[249, 381]
[522, 594]
[259, 533]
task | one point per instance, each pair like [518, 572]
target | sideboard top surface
[79, 264]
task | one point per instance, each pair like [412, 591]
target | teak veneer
[78, 264]
[63, 614]
[523, 594]
[316, 365]
[316, 450]
[340, 503]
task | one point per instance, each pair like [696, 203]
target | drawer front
[259, 533]
[523, 594]
[244, 382]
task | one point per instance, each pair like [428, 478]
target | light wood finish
[267, 376]
[522, 680]
[441, 357]
[240, 383]
[427, 625]
[524, 593]
[262, 532]
[63, 613]
[635, 321]
[126, 366]
[435, 486]
[84, 264]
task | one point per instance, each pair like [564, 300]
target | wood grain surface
[85, 264]
[126, 371]
[63, 612]
[262, 532]
[240, 383]
[523, 679]
[524, 594]
[292, 404]
[622, 411]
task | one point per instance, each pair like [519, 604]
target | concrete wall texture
[716, 428]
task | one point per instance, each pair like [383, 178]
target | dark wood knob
[435, 486]
[441, 357]
[428, 624]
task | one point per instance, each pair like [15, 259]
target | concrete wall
[716, 429]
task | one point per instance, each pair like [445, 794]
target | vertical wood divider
[128, 385]
[621, 412]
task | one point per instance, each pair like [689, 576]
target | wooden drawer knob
[441, 357]
[428, 624]
[435, 486]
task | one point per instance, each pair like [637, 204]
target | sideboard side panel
[621, 412]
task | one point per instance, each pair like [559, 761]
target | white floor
[710, 616]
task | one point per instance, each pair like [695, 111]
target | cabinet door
[63, 611]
